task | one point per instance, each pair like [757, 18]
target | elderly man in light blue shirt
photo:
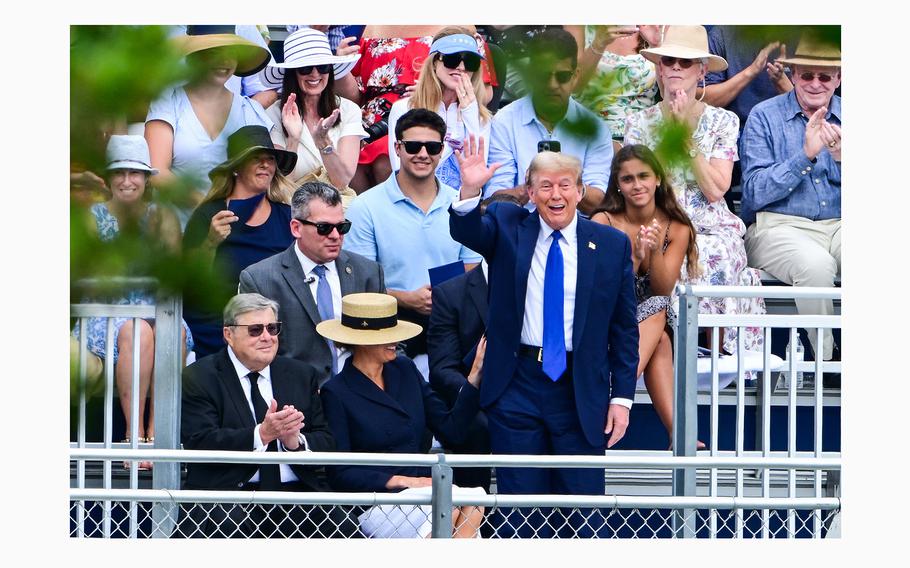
[550, 114]
[791, 160]
[403, 223]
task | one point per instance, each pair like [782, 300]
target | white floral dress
[719, 233]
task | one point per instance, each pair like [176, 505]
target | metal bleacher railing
[755, 490]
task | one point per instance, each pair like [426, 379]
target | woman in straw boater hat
[701, 180]
[323, 129]
[188, 127]
[379, 402]
[244, 218]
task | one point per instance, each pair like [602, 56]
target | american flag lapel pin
[592, 246]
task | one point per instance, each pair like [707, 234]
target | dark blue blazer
[365, 418]
[605, 329]
[458, 319]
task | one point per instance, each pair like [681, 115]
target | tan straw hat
[368, 319]
[811, 51]
[251, 58]
[685, 42]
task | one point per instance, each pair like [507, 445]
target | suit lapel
[296, 279]
[345, 274]
[477, 291]
[228, 375]
[363, 386]
[584, 283]
[528, 231]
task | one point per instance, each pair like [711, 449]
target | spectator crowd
[466, 237]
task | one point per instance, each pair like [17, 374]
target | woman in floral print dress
[682, 61]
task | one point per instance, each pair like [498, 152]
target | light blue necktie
[326, 311]
[554, 335]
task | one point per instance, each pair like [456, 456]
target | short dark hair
[420, 117]
[300, 202]
[556, 42]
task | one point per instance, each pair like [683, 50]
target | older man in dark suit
[310, 277]
[562, 349]
[245, 398]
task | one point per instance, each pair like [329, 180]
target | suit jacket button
[240, 484]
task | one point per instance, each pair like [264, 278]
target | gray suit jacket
[281, 278]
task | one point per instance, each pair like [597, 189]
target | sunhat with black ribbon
[302, 48]
[368, 319]
[251, 58]
[812, 52]
[126, 152]
[685, 42]
[249, 139]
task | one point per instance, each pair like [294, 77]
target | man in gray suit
[310, 277]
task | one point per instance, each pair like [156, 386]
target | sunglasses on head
[671, 61]
[256, 329]
[822, 77]
[325, 229]
[562, 77]
[307, 69]
[451, 60]
[414, 146]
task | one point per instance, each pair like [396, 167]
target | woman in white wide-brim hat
[187, 128]
[701, 179]
[130, 212]
[323, 129]
[379, 402]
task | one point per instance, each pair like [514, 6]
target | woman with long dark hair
[640, 202]
[323, 129]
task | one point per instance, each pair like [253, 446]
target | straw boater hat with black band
[685, 42]
[249, 139]
[814, 53]
[251, 58]
[303, 48]
[368, 319]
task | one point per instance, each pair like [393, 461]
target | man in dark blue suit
[562, 339]
[457, 322]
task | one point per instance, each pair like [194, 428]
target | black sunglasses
[822, 77]
[307, 69]
[255, 329]
[325, 229]
[414, 146]
[671, 61]
[451, 60]
[562, 77]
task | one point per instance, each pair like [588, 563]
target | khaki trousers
[800, 252]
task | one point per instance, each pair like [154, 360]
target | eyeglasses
[307, 69]
[414, 146]
[562, 77]
[809, 77]
[671, 61]
[325, 229]
[256, 329]
[451, 60]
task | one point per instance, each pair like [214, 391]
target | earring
[234, 174]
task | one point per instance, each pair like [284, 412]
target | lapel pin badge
[592, 246]
[347, 269]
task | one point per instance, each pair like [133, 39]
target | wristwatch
[328, 150]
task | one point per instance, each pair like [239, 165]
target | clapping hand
[473, 166]
[320, 132]
[476, 374]
[291, 119]
[814, 141]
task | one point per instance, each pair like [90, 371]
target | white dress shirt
[265, 389]
[331, 275]
[532, 325]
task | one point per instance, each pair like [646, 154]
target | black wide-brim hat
[250, 139]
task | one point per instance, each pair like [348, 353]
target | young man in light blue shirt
[550, 114]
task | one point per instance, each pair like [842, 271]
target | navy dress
[365, 418]
[245, 246]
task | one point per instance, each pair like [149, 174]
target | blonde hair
[428, 91]
[280, 190]
[554, 161]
